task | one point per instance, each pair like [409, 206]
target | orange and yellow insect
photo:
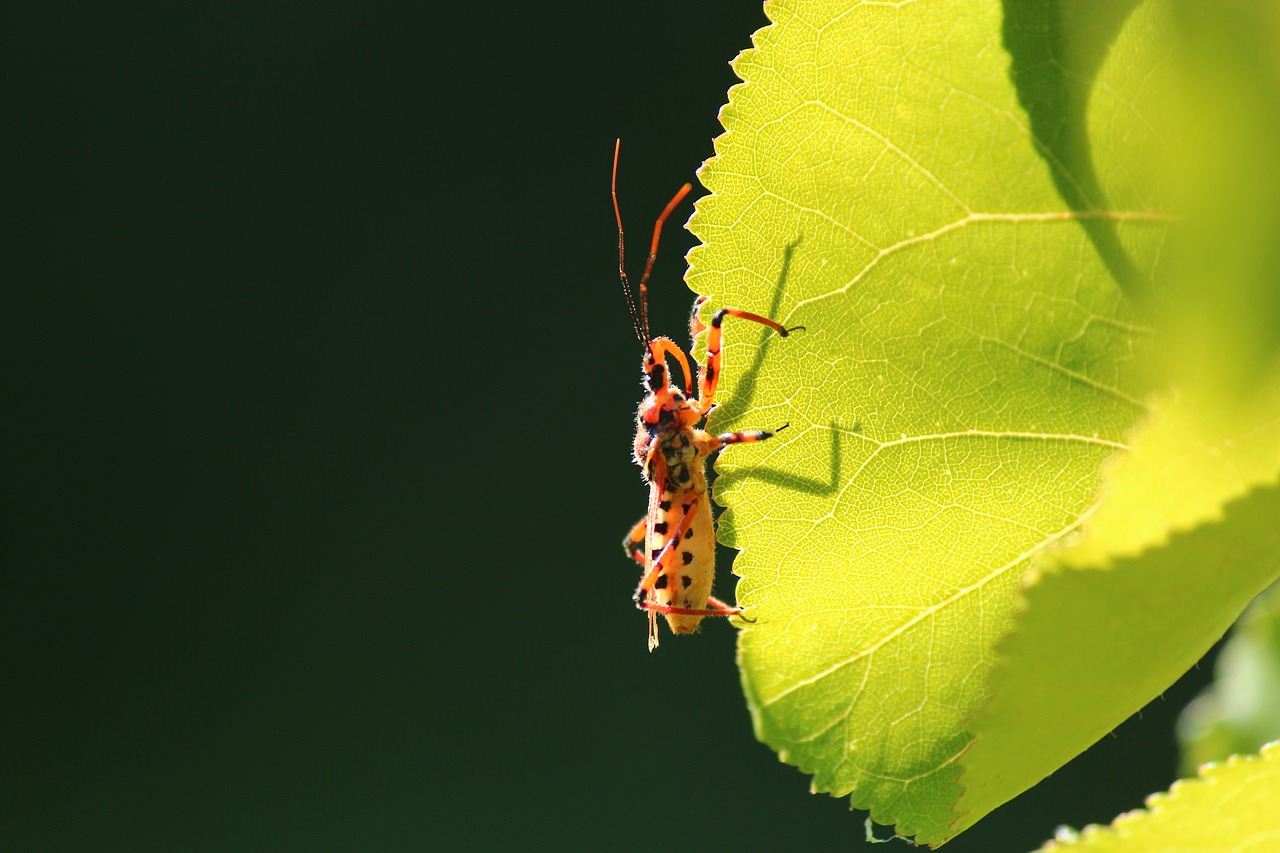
[675, 542]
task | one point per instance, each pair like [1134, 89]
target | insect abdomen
[687, 576]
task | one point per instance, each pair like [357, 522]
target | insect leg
[709, 376]
[650, 577]
[634, 543]
[745, 437]
[717, 608]
[689, 611]
[726, 609]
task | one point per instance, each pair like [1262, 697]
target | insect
[675, 541]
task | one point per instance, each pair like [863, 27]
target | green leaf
[1185, 531]
[1231, 806]
[1241, 709]
[962, 205]
[1094, 646]
[1225, 305]
[967, 366]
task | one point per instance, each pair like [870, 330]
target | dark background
[318, 396]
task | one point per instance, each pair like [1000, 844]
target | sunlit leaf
[967, 366]
[1230, 807]
[964, 206]
[1187, 526]
[1095, 645]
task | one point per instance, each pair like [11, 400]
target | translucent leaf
[1230, 807]
[1094, 646]
[960, 204]
[1187, 526]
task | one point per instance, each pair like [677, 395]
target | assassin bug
[675, 542]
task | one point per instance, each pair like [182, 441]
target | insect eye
[657, 375]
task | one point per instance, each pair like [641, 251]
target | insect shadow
[726, 554]
[789, 479]
[744, 393]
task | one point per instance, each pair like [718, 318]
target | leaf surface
[1230, 808]
[1095, 645]
[1187, 526]
[968, 364]
[963, 206]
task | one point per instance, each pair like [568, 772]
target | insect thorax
[675, 451]
[679, 450]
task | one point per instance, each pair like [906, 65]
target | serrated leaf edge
[1048, 567]
[1208, 775]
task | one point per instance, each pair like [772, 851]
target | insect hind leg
[634, 544]
[654, 609]
[718, 608]
[726, 609]
[715, 607]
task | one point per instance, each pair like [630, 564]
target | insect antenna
[640, 318]
[641, 329]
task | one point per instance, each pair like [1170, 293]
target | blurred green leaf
[1224, 303]
[1230, 807]
[1240, 711]
[963, 205]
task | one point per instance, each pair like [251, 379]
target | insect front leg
[709, 375]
